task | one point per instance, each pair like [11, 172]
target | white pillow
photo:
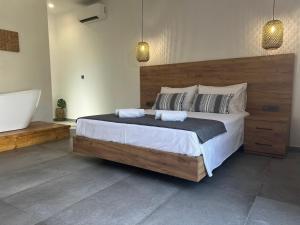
[239, 101]
[190, 92]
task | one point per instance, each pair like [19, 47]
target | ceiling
[62, 6]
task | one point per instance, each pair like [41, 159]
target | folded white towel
[130, 113]
[159, 112]
[174, 116]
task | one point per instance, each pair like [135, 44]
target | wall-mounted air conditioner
[91, 13]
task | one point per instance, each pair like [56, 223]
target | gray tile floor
[48, 185]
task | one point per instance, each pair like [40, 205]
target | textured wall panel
[189, 30]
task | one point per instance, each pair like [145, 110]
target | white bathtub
[17, 109]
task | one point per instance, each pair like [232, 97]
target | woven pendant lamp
[143, 48]
[273, 33]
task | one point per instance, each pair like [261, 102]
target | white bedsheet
[214, 151]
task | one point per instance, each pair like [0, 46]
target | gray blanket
[205, 129]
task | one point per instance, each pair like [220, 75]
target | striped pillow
[211, 103]
[169, 101]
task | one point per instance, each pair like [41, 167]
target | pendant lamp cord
[142, 20]
[274, 2]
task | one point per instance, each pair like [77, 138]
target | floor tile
[281, 192]
[284, 168]
[244, 165]
[23, 179]
[282, 182]
[242, 184]
[124, 203]
[294, 154]
[63, 145]
[202, 205]
[72, 162]
[10, 215]
[29, 177]
[243, 173]
[270, 212]
[48, 199]
[25, 157]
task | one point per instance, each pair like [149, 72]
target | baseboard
[293, 148]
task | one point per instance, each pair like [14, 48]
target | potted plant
[60, 110]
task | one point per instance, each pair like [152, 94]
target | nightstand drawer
[265, 137]
[267, 128]
[265, 150]
[262, 145]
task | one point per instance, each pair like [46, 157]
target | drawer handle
[263, 128]
[267, 145]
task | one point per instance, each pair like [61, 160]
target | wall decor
[272, 33]
[142, 49]
[9, 41]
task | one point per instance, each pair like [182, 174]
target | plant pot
[60, 114]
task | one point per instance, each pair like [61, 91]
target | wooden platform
[36, 133]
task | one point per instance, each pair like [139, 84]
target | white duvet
[214, 152]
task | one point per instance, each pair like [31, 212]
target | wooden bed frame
[270, 81]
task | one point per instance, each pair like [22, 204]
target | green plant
[61, 103]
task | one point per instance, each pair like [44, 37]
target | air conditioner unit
[91, 13]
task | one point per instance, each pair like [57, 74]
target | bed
[172, 140]
[178, 152]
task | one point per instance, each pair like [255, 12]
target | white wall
[178, 31]
[103, 52]
[30, 68]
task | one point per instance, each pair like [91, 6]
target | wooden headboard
[269, 78]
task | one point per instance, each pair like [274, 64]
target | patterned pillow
[211, 103]
[169, 101]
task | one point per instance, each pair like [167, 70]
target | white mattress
[214, 151]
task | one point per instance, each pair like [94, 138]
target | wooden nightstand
[266, 136]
